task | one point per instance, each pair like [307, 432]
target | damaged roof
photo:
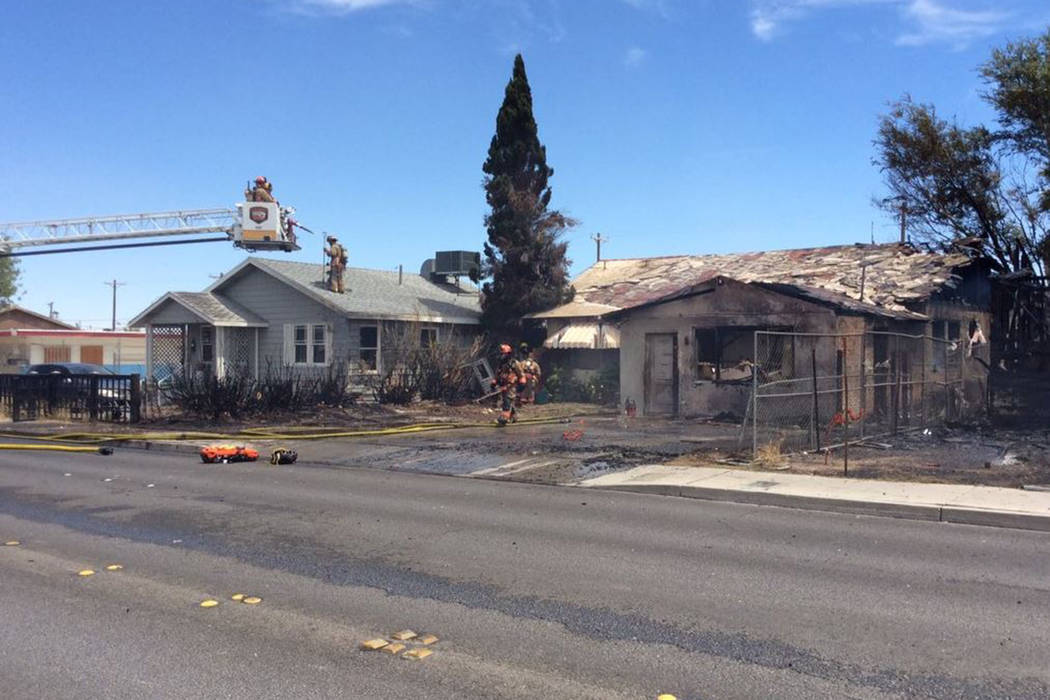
[896, 275]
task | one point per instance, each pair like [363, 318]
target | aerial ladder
[252, 226]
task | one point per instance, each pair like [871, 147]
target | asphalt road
[534, 591]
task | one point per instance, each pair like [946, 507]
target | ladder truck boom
[117, 227]
[249, 225]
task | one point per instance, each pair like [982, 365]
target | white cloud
[935, 22]
[634, 57]
[927, 21]
[345, 6]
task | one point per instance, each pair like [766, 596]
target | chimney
[400, 273]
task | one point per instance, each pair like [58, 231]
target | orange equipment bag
[210, 454]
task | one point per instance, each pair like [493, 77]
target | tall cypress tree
[524, 261]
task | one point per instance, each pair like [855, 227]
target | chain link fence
[814, 392]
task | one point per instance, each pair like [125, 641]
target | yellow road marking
[114, 567]
[209, 603]
[252, 600]
[666, 696]
[86, 572]
[12, 543]
[237, 596]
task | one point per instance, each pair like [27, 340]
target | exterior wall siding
[730, 304]
[279, 304]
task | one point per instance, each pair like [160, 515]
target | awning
[585, 336]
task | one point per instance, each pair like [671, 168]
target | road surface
[534, 591]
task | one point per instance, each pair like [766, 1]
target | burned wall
[724, 304]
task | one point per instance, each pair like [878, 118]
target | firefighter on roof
[337, 264]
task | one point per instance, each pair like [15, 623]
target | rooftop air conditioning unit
[456, 263]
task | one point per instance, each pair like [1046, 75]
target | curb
[907, 511]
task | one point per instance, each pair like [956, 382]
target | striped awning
[586, 336]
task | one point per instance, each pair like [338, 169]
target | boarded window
[91, 354]
[56, 353]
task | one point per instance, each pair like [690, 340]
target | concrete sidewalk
[974, 505]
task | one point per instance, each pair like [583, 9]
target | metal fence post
[816, 403]
[754, 400]
[93, 398]
[896, 383]
[947, 395]
[135, 414]
[922, 384]
[845, 410]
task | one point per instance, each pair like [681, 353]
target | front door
[661, 374]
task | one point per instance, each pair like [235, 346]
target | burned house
[686, 325]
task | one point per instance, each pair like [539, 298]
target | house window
[207, 343]
[307, 344]
[725, 353]
[368, 345]
[301, 347]
[428, 337]
[319, 344]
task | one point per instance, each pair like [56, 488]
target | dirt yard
[972, 455]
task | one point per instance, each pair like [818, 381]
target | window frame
[308, 345]
[372, 367]
[722, 336]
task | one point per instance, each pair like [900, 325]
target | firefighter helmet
[260, 180]
[505, 349]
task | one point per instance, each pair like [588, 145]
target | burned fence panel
[813, 391]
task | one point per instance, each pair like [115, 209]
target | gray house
[266, 314]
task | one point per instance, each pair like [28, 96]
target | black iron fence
[112, 398]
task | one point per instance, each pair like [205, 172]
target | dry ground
[972, 455]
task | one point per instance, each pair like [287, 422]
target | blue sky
[673, 126]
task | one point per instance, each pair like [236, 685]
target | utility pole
[597, 238]
[114, 284]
